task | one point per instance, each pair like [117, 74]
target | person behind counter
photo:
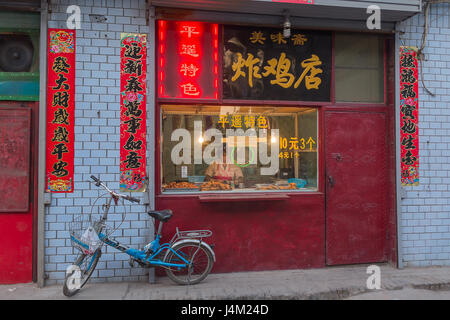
[226, 172]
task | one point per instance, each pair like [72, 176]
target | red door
[16, 218]
[357, 186]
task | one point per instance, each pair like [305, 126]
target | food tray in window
[283, 183]
[266, 186]
[181, 189]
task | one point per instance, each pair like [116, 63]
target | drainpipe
[42, 138]
[151, 49]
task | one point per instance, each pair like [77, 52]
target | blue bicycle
[187, 258]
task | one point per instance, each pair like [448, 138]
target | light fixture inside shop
[286, 24]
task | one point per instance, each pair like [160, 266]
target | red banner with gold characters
[188, 60]
[133, 77]
[60, 110]
[409, 116]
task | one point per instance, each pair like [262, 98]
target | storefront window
[238, 149]
[359, 65]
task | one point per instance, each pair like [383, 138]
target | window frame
[244, 195]
[160, 155]
[385, 80]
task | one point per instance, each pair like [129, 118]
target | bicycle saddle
[162, 215]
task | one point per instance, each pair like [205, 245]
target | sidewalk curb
[343, 293]
[443, 286]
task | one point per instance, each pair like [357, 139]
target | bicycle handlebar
[97, 180]
[131, 199]
[98, 183]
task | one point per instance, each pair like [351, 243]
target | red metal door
[16, 218]
[357, 184]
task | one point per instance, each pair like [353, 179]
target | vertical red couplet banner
[60, 110]
[133, 142]
[409, 116]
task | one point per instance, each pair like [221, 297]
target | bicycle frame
[140, 255]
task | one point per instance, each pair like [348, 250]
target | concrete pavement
[403, 294]
[327, 283]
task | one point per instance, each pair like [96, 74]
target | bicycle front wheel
[86, 264]
[200, 259]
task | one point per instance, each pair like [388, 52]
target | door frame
[391, 107]
[34, 172]
[390, 244]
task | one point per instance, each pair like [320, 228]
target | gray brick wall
[96, 139]
[425, 210]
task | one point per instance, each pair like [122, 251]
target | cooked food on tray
[181, 185]
[290, 186]
[214, 185]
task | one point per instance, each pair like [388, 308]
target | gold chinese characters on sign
[262, 64]
[243, 121]
[279, 68]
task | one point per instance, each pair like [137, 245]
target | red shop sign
[60, 110]
[188, 60]
[133, 142]
[409, 117]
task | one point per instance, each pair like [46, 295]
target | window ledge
[243, 197]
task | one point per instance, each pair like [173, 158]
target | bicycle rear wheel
[201, 263]
[87, 264]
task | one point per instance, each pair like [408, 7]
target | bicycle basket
[83, 235]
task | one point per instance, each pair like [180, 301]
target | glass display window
[238, 148]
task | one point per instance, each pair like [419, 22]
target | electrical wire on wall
[420, 54]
